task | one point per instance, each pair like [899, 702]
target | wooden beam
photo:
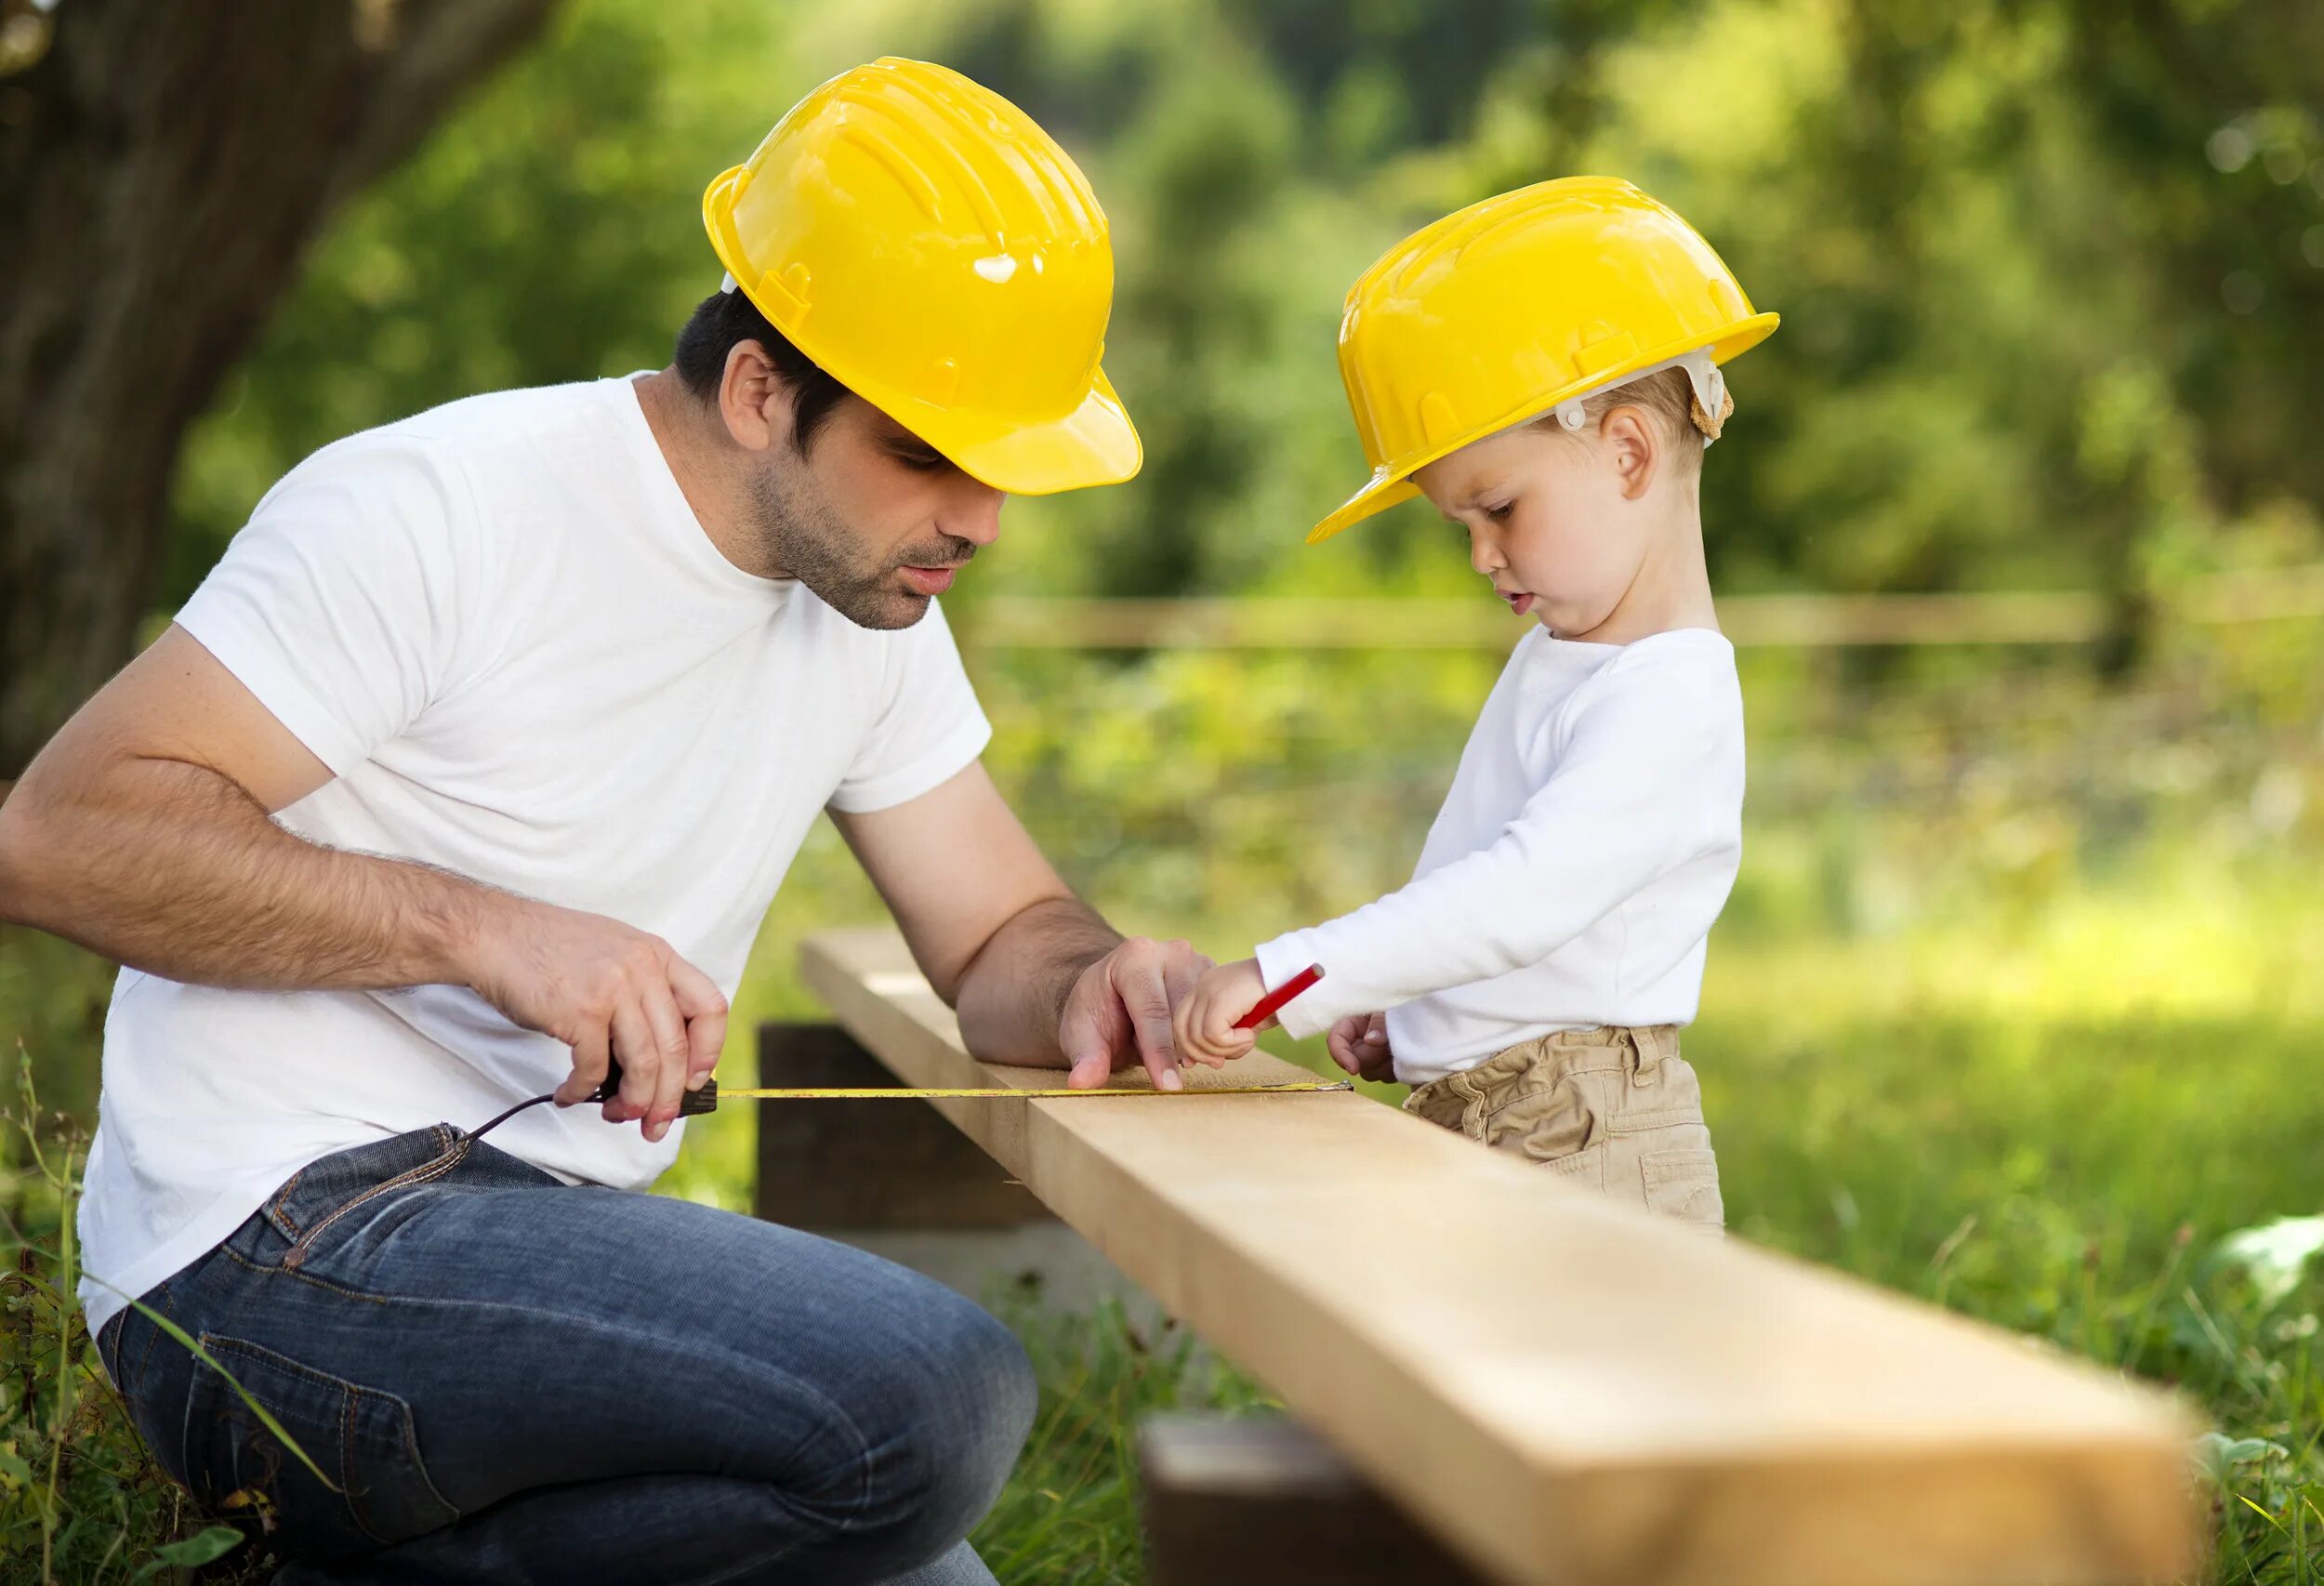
[1562, 1390]
[826, 1165]
[1260, 1501]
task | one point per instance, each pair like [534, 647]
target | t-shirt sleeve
[338, 605]
[1649, 778]
[929, 728]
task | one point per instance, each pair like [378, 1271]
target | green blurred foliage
[2053, 274]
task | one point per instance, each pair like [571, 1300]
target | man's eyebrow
[904, 444]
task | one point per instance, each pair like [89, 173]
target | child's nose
[1485, 556]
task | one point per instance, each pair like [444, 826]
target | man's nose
[974, 513]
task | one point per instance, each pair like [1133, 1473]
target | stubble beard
[804, 535]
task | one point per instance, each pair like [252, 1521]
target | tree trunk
[163, 168]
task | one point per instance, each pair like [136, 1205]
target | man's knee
[979, 1405]
[963, 1413]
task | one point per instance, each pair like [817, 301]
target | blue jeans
[511, 1379]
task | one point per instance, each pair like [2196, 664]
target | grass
[1069, 1515]
[80, 1499]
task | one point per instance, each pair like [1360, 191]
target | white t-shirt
[503, 629]
[1589, 839]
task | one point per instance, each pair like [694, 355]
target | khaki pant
[1613, 1108]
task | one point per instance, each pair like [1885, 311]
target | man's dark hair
[723, 319]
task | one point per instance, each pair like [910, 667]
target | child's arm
[1650, 779]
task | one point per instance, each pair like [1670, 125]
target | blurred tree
[2053, 274]
[2162, 166]
[1210, 160]
[167, 166]
[550, 230]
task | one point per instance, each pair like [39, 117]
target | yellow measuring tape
[709, 1096]
[695, 1103]
[996, 1092]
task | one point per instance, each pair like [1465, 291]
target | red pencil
[1279, 995]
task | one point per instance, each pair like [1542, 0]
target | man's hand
[1118, 1012]
[599, 987]
[1359, 1044]
[1205, 1023]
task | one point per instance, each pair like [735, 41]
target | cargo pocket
[1550, 1119]
[1683, 1183]
[360, 1438]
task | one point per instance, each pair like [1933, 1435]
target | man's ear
[1633, 445]
[755, 400]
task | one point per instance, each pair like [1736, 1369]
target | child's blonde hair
[1669, 396]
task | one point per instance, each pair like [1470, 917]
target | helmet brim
[1094, 445]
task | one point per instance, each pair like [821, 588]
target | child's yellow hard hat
[1512, 307]
[928, 245]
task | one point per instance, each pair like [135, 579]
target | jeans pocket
[328, 1195]
[362, 1440]
[1683, 1183]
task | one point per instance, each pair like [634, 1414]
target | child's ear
[1633, 446]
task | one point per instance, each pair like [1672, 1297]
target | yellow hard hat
[1521, 305]
[937, 253]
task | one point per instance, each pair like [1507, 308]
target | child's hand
[1204, 1023]
[1359, 1044]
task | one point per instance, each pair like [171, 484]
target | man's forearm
[1013, 992]
[173, 868]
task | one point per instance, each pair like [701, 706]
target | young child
[1544, 367]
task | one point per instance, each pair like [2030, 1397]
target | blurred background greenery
[2018, 1001]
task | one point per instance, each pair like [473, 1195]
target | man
[542, 690]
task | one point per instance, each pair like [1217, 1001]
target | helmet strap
[1709, 380]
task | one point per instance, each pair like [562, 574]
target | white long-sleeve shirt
[1588, 842]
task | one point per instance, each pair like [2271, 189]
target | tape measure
[695, 1103]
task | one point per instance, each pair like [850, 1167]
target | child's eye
[1500, 514]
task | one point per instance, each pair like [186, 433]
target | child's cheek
[1545, 552]
[1582, 557]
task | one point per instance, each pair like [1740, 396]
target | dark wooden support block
[869, 1165]
[1260, 1501]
